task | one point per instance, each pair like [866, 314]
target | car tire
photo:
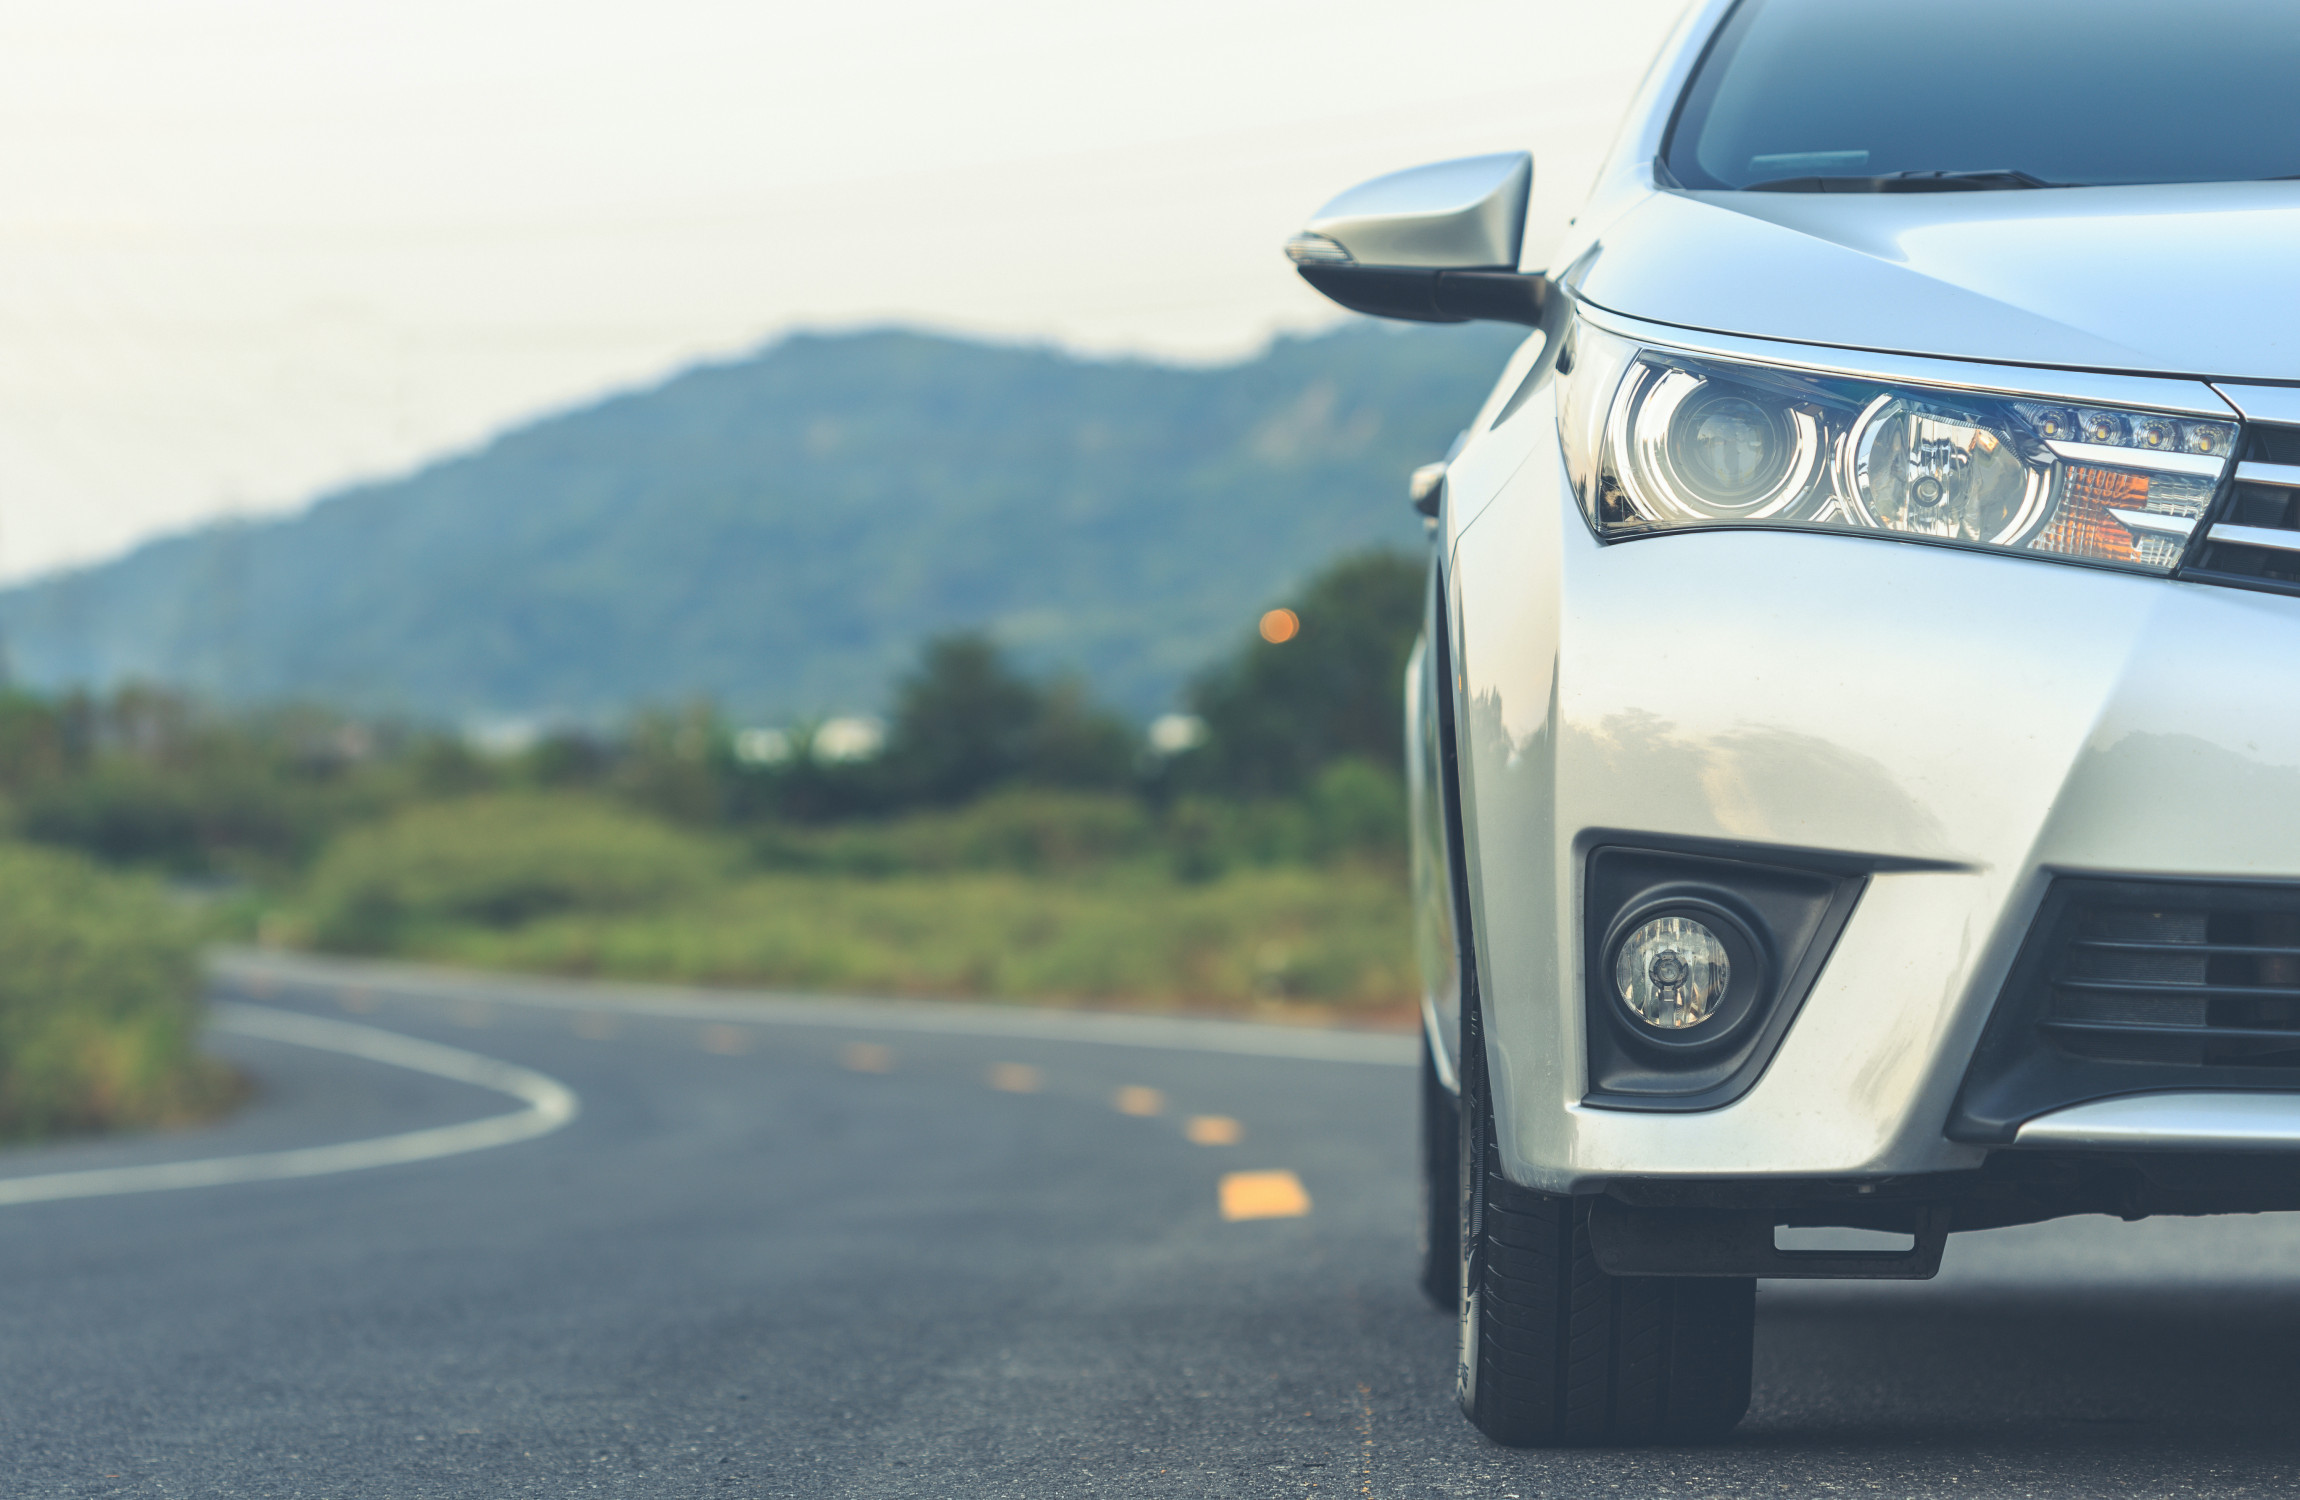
[1555, 1352]
[1441, 1186]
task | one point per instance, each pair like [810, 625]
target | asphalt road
[778, 1253]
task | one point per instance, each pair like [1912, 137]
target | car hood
[2172, 279]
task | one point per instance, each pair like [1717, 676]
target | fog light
[1672, 973]
[1695, 967]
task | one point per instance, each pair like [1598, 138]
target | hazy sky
[250, 249]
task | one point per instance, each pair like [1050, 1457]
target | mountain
[780, 532]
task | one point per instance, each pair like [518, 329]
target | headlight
[1661, 440]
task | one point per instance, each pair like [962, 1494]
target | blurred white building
[1171, 734]
[841, 740]
[762, 747]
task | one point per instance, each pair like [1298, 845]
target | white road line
[943, 1017]
[550, 1104]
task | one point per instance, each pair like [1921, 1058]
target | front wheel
[1441, 1186]
[1553, 1351]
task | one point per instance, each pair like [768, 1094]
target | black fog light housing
[1695, 965]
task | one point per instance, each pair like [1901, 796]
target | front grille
[2127, 986]
[2253, 540]
[2179, 983]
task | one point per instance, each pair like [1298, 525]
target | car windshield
[1847, 94]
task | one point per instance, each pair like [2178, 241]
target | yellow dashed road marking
[594, 1026]
[868, 1057]
[1213, 1130]
[727, 1041]
[1263, 1195]
[1014, 1078]
[1134, 1099]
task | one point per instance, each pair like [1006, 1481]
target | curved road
[789, 1248]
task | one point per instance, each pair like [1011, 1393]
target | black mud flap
[1739, 1242]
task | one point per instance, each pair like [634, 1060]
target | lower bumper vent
[2126, 986]
[2181, 984]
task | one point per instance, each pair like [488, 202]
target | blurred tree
[149, 776]
[1077, 744]
[966, 722]
[962, 720]
[678, 763]
[567, 757]
[36, 741]
[443, 765]
[1276, 712]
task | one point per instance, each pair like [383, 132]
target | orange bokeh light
[1280, 626]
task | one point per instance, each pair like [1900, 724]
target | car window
[2066, 92]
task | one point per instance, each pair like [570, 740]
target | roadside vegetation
[99, 1001]
[1005, 837]
[1036, 895]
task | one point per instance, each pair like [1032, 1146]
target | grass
[1248, 939]
[1041, 898]
[500, 861]
[99, 1002]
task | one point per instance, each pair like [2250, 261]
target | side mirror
[1436, 244]
[1423, 487]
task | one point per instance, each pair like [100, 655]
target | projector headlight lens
[1672, 973]
[1689, 441]
[1730, 446]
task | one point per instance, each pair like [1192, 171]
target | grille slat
[2129, 945]
[2182, 991]
[2253, 540]
[2286, 476]
[2257, 538]
[2288, 1037]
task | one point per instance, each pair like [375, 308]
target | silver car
[1856, 736]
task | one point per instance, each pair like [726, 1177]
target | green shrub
[1357, 807]
[1029, 831]
[498, 862]
[1353, 812]
[99, 1000]
[1329, 937]
[190, 822]
[1030, 895]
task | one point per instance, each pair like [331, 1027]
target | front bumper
[1967, 725]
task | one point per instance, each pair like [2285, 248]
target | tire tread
[1568, 1355]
